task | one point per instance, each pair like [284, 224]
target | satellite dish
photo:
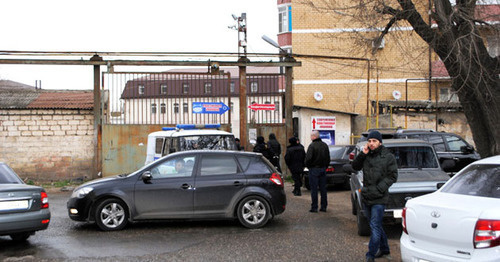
[396, 94]
[318, 96]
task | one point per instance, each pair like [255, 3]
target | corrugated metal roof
[420, 104]
[63, 100]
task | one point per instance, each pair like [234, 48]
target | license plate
[13, 205]
[398, 213]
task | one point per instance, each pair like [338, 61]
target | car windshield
[215, 142]
[476, 180]
[8, 176]
[415, 157]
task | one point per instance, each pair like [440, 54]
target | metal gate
[136, 104]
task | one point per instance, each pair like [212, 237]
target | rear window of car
[476, 180]
[258, 166]
[213, 165]
[8, 176]
[414, 157]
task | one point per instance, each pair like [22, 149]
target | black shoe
[370, 259]
[382, 253]
[298, 193]
[323, 210]
[313, 211]
[294, 192]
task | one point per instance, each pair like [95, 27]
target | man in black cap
[380, 171]
[294, 159]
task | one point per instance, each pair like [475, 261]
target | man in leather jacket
[380, 171]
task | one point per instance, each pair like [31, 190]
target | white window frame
[141, 89]
[153, 108]
[208, 88]
[185, 88]
[284, 16]
[254, 87]
[163, 88]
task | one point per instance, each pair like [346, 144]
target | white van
[187, 137]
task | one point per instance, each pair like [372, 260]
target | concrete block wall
[47, 145]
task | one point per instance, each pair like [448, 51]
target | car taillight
[276, 178]
[487, 233]
[403, 222]
[330, 169]
[351, 156]
[45, 200]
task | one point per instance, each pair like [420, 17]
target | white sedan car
[460, 221]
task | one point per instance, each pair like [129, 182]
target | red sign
[323, 123]
[262, 107]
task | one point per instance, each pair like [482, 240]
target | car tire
[363, 225]
[353, 206]
[253, 212]
[111, 214]
[19, 237]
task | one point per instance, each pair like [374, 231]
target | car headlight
[81, 192]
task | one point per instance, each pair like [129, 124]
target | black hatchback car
[199, 184]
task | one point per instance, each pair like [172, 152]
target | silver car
[24, 209]
[419, 173]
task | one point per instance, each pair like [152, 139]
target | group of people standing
[379, 173]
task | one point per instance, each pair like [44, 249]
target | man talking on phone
[380, 171]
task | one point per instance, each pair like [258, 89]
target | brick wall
[47, 145]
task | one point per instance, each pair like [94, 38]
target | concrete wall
[47, 145]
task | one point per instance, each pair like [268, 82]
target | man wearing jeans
[317, 160]
[380, 171]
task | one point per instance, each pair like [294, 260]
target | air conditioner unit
[381, 45]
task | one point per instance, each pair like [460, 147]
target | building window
[231, 87]
[208, 88]
[153, 108]
[447, 95]
[163, 108]
[254, 87]
[285, 18]
[163, 88]
[176, 108]
[141, 89]
[231, 105]
[276, 106]
[185, 108]
[185, 88]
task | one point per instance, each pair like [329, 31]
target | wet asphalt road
[295, 235]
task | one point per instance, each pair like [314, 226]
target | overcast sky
[123, 26]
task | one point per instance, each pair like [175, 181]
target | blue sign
[209, 108]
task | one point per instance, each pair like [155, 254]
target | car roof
[205, 151]
[488, 160]
[395, 142]
[190, 132]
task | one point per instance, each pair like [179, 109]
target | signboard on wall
[323, 122]
[326, 126]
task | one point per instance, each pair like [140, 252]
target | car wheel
[363, 226]
[253, 212]
[20, 236]
[111, 214]
[306, 183]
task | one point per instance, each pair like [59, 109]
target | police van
[187, 137]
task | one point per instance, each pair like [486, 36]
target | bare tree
[454, 34]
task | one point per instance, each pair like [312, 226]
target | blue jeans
[378, 238]
[317, 179]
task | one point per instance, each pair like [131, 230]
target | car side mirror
[348, 168]
[447, 164]
[466, 149]
[146, 177]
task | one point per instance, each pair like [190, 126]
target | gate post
[288, 98]
[97, 165]
[243, 102]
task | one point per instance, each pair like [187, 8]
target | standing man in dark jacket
[294, 159]
[380, 171]
[275, 147]
[317, 160]
[261, 147]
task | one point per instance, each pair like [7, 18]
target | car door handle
[186, 186]
[237, 183]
